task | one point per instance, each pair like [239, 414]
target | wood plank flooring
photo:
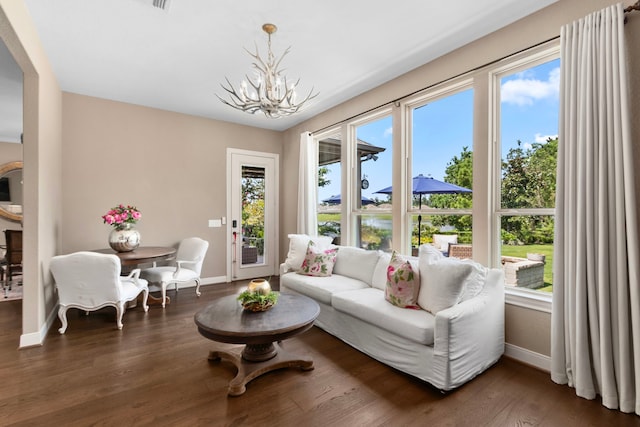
[155, 372]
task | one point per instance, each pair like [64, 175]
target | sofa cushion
[318, 262]
[473, 283]
[403, 282]
[370, 306]
[379, 279]
[442, 283]
[298, 248]
[320, 288]
[356, 263]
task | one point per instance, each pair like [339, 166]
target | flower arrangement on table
[258, 296]
[121, 216]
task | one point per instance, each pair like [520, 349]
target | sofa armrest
[469, 337]
[283, 268]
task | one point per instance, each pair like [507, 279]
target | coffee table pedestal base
[248, 370]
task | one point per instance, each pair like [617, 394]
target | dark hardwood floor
[155, 372]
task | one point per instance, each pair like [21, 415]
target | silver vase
[125, 238]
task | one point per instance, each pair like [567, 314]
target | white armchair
[186, 267]
[90, 281]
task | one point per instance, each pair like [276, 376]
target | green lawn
[522, 251]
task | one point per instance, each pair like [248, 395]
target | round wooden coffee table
[224, 320]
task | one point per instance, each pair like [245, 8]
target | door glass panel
[253, 192]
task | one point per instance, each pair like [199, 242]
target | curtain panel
[307, 185]
[595, 335]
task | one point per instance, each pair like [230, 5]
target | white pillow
[356, 263]
[442, 283]
[298, 249]
[476, 280]
[429, 254]
[379, 279]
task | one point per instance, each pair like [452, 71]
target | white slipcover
[90, 281]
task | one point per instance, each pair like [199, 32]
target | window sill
[528, 299]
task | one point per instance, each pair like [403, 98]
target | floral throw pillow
[318, 262]
[403, 283]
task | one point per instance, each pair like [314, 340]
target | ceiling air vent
[160, 4]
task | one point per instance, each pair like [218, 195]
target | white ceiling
[175, 59]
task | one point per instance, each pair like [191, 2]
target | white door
[253, 212]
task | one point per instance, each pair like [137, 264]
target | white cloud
[388, 131]
[544, 138]
[527, 146]
[524, 90]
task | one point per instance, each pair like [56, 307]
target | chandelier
[268, 91]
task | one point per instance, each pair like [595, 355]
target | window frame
[540, 301]
[408, 105]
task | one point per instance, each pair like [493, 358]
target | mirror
[11, 191]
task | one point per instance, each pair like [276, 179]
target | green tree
[529, 181]
[253, 208]
[323, 181]
[459, 171]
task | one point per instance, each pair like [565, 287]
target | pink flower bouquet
[121, 215]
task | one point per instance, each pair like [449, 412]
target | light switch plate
[215, 223]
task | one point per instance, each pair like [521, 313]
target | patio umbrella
[428, 185]
[336, 200]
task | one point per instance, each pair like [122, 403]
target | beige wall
[525, 328]
[171, 166]
[42, 150]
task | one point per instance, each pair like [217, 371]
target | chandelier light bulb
[272, 95]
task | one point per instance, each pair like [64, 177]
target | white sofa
[446, 349]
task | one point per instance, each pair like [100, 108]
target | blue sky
[529, 113]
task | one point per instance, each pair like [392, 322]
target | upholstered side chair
[90, 281]
[184, 269]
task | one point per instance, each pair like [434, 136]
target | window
[508, 150]
[329, 185]
[373, 173]
[527, 108]
[441, 166]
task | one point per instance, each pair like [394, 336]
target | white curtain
[307, 185]
[595, 336]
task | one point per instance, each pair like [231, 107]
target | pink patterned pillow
[403, 283]
[318, 262]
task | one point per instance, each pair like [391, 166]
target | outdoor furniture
[461, 251]
[186, 267]
[442, 241]
[249, 255]
[428, 185]
[90, 281]
[522, 272]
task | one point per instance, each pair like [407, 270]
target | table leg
[248, 370]
[151, 300]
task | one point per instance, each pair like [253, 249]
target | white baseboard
[529, 357]
[37, 338]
